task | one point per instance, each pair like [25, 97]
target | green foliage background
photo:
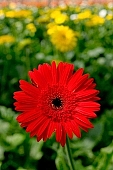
[94, 52]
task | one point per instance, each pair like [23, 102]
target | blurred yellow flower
[109, 17]
[18, 14]
[2, 13]
[55, 13]
[30, 18]
[6, 39]
[58, 17]
[31, 27]
[84, 15]
[95, 20]
[43, 19]
[24, 43]
[51, 28]
[61, 18]
[62, 37]
[10, 14]
[77, 9]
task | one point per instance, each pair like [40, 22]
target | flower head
[57, 100]
[109, 17]
[2, 13]
[84, 15]
[31, 27]
[18, 13]
[95, 21]
[6, 39]
[62, 37]
[58, 16]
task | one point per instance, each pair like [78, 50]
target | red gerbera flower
[58, 100]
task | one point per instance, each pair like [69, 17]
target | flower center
[57, 103]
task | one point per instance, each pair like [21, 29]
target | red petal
[43, 135]
[89, 84]
[22, 98]
[54, 73]
[29, 89]
[79, 85]
[86, 112]
[82, 121]
[33, 78]
[95, 98]
[89, 104]
[38, 78]
[75, 128]
[42, 127]
[67, 70]
[23, 125]
[51, 128]
[84, 128]
[63, 137]
[28, 116]
[45, 70]
[24, 107]
[58, 131]
[68, 129]
[34, 124]
[86, 94]
[39, 137]
[76, 76]
[41, 124]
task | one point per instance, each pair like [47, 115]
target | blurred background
[33, 32]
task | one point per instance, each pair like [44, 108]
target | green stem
[69, 156]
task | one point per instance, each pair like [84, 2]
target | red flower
[58, 100]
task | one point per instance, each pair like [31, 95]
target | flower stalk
[69, 155]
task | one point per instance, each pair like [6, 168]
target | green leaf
[106, 157]
[15, 140]
[61, 161]
[35, 150]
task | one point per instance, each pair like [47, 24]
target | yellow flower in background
[55, 13]
[18, 14]
[52, 14]
[43, 19]
[58, 17]
[61, 18]
[77, 9]
[51, 28]
[10, 14]
[31, 27]
[63, 38]
[95, 20]
[2, 13]
[24, 13]
[24, 43]
[6, 39]
[109, 17]
[84, 15]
